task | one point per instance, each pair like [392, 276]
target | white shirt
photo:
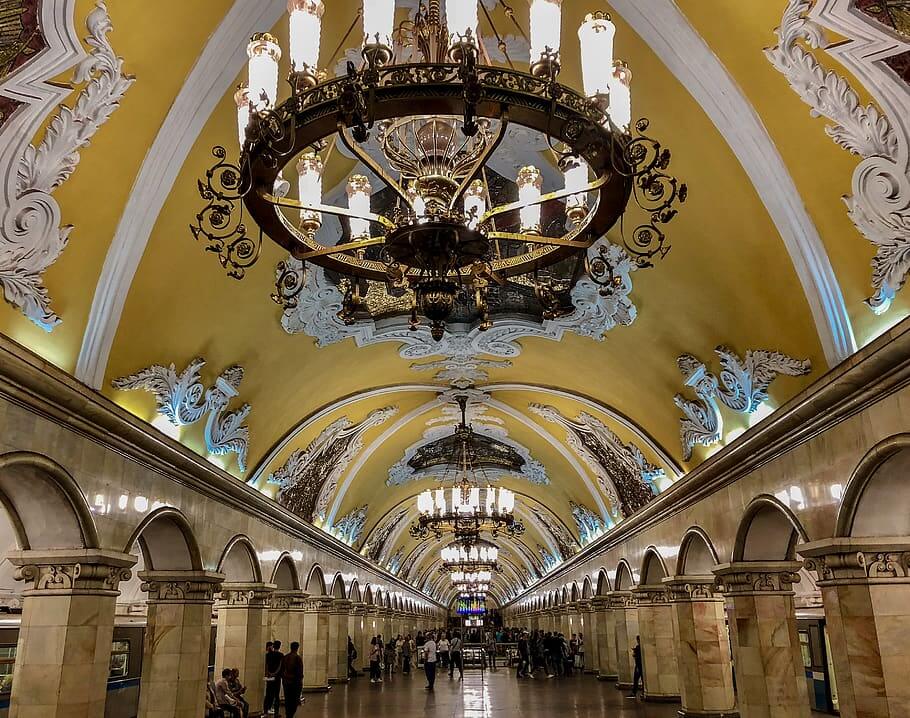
[443, 645]
[429, 650]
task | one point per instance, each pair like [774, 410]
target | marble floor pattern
[481, 695]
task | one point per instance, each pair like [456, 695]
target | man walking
[429, 661]
[638, 676]
[273, 657]
[523, 655]
[455, 656]
[292, 679]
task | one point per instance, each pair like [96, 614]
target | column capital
[318, 604]
[584, 605]
[342, 605]
[359, 609]
[654, 594]
[685, 589]
[56, 572]
[864, 560]
[245, 595]
[621, 600]
[758, 578]
[288, 600]
[600, 603]
[181, 586]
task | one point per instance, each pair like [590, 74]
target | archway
[697, 556]
[239, 563]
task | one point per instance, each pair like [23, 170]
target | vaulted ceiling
[764, 257]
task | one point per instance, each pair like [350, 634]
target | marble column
[285, 619]
[175, 652]
[658, 644]
[243, 610]
[865, 585]
[626, 629]
[703, 649]
[606, 639]
[338, 640]
[356, 624]
[372, 625]
[589, 628]
[385, 615]
[770, 678]
[66, 630]
[316, 621]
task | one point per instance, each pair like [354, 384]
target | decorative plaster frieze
[589, 524]
[33, 238]
[483, 424]
[183, 400]
[742, 387]
[350, 526]
[761, 577]
[562, 538]
[394, 563]
[546, 559]
[309, 477]
[85, 571]
[180, 586]
[622, 471]
[858, 560]
[880, 203]
[375, 544]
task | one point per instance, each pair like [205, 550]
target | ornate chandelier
[461, 577]
[465, 509]
[468, 557]
[430, 229]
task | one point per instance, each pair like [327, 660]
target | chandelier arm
[499, 41]
[372, 164]
[326, 209]
[335, 249]
[481, 161]
[550, 197]
[537, 239]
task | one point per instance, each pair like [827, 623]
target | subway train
[126, 664]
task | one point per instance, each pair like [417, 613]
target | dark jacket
[292, 667]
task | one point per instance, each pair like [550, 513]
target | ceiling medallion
[466, 508]
[430, 229]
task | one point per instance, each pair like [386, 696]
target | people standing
[273, 657]
[429, 660]
[292, 679]
[442, 648]
[455, 656]
[638, 676]
[352, 656]
[406, 655]
[524, 656]
[375, 660]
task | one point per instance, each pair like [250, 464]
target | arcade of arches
[712, 457]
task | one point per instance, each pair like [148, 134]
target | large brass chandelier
[429, 229]
[465, 509]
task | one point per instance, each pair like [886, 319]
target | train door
[813, 646]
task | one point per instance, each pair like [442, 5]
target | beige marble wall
[705, 668]
[175, 652]
[242, 610]
[285, 618]
[606, 639]
[626, 629]
[338, 641]
[658, 644]
[316, 621]
[592, 644]
[356, 623]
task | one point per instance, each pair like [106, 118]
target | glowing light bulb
[546, 26]
[461, 19]
[378, 22]
[595, 38]
[576, 178]
[530, 182]
[309, 186]
[475, 203]
[621, 95]
[262, 69]
[242, 99]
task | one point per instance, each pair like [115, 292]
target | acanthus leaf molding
[742, 387]
[32, 238]
[183, 400]
[880, 204]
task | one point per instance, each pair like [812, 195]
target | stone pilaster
[703, 649]
[316, 622]
[372, 625]
[770, 679]
[865, 585]
[658, 644]
[626, 629]
[356, 623]
[385, 615]
[65, 634]
[589, 628]
[175, 652]
[606, 638]
[286, 618]
[338, 640]
[243, 610]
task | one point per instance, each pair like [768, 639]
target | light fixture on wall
[431, 230]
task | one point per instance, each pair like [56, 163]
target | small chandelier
[465, 509]
[434, 233]
[461, 577]
[469, 557]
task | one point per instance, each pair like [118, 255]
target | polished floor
[480, 695]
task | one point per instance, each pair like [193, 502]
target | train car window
[120, 659]
[7, 665]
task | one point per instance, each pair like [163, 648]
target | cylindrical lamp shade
[576, 179]
[595, 38]
[305, 25]
[359, 191]
[242, 98]
[546, 27]
[378, 22]
[530, 182]
[264, 54]
[621, 95]
[461, 19]
[309, 185]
